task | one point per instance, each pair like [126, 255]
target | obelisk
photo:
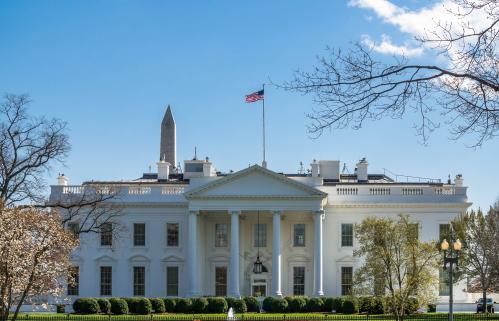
[167, 149]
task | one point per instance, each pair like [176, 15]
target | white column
[318, 217]
[234, 254]
[276, 253]
[192, 248]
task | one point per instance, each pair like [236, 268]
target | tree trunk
[484, 305]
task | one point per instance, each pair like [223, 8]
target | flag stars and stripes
[256, 96]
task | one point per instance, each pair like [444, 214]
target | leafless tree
[353, 86]
[29, 146]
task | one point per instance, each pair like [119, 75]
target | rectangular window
[106, 280]
[298, 280]
[172, 234]
[221, 281]
[346, 280]
[443, 282]
[260, 235]
[443, 232]
[139, 234]
[172, 281]
[74, 281]
[106, 234]
[299, 235]
[74, 228]
[346, 234]
[220, 235]
[139, 281]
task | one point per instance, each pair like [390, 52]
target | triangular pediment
[254, 182]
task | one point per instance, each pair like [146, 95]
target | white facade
[306, 243]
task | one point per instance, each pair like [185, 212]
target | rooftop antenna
[149, 168]
[301, 170]
[195, 153]
[345, 169]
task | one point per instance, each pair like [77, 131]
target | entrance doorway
[259, 287]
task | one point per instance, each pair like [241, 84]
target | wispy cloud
[387, 47]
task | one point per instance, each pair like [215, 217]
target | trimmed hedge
[199, 305]
[350, 305]
[170, 304]
[296, 304]
[183, 305]
[118, 306]
[412, 306]
[279, 305]
[315, 305]
[104, 305]
[217, 305]
[130, 302]
[158, 306]
[143, 306]
[328, 304]
[239, 306]
[267, 304]
[86, 306]
[252, 304]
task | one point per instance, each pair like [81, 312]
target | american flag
[256, 96]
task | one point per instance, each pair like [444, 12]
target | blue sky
[109, 68]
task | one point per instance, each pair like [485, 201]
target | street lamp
[451, 257]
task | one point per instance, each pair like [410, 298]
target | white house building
[198, 231]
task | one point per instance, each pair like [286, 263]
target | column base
[319, 293]
[278, 294]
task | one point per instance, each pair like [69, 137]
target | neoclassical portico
[236, 198]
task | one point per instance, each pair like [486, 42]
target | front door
[259, 287]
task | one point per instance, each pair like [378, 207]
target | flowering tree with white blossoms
[34, 257]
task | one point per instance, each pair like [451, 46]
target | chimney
[458, 181]
[362, 171]
[330, 169]
[315, 168]
[163, 170]
[62, 180]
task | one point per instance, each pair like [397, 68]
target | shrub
[143, 306]
[252, 304]
[230, 302]
[170, 304]
[86, 306]
[183, 305]
[217, 305]
[279, 305]
[411, 306]
[104, 305]
[350, 305]
[338, 305]
[328, 304]
[365, 304]
[315, 305]
[378, 306]
[158, 306]
[267, 304]
[199, 305]
[432, 307]
[239, 306]
[297, 304]
[118, 306]
[60, 308]
[131, 303]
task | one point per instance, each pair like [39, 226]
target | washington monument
[167, 149]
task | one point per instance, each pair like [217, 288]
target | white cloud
[387, 47]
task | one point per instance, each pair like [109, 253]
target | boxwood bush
[279, 305]
[217, 305]
[143, 306]
[338, 304]
[315, 305]
[118, 306]
[252, 304]
[86, 306]
[267, 304]
[199, 305]
[183, 305]
[131, 302]
[170, 304]
[328, 304]
[158, 306]
[350, 305]
[411, 306]
[296, 304]
[104, 305]
[239, 306]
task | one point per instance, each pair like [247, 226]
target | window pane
[221, 281]
[172, 281]
[443, 282]
[139, 280]
[346, 280]
[172, 234]
[260, 235]
[299, 235]
[346, 234]
[220, 235]
[106, 234]
[298, 280]
[106, 280]
[74, 281]
[139, 234]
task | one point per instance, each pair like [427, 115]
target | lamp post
[451, 257]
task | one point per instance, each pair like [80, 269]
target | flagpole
[264, 163]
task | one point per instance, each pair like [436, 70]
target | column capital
[277, 212]
[234, 212]
[193, 212]
[319, 214]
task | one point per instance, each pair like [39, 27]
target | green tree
[479, 257]
[395, 262]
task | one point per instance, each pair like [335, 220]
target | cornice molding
[256, 197]
[400, 205]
